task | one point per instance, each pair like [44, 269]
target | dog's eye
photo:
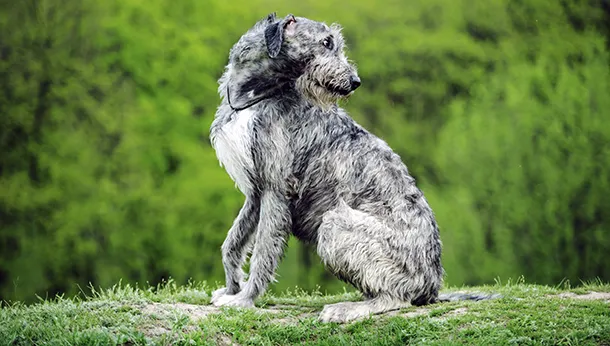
[328, 43]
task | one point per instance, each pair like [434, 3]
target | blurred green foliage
[500, 109]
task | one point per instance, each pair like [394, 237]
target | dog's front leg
[234, 247]
[270, 241]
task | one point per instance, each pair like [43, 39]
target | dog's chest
[233, 143]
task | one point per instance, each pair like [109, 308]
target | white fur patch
[240, 300]
[233, 143]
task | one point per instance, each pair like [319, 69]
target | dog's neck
[244, 90]
[247, 105]
[244, 95]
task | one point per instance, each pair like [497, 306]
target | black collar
[252, 103]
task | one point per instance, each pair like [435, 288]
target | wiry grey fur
[308, 169]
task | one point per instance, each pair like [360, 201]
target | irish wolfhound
[306, 168]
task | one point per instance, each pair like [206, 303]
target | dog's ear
[274, 34]
[271, 17]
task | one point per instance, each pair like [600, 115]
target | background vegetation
[500, 108]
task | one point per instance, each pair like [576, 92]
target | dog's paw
[237, 300]
[218, 293]
[344, 312]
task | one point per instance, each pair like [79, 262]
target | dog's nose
[355, 82]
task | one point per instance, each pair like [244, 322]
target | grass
[180, 315]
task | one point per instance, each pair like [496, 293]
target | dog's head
[290, 52]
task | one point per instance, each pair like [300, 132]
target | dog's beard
[315, 92]
[322, 93]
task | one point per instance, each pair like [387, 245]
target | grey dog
[307, 169]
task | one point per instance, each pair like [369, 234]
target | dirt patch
[605, 296]
[164, 310]
[163, 317]
[195, 312]
[456, 312]
[224, 340]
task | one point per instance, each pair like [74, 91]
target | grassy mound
[181, 315]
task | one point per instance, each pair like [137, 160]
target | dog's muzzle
[345, 89]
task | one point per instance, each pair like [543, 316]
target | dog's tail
[456, 296]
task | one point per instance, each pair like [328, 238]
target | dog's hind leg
[351, 245]
[352, 311]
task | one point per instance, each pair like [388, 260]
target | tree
[526, 166]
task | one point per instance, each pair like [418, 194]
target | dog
[308, 169]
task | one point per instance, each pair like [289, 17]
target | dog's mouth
[334, 89]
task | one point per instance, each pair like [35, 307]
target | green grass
[180, 315]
